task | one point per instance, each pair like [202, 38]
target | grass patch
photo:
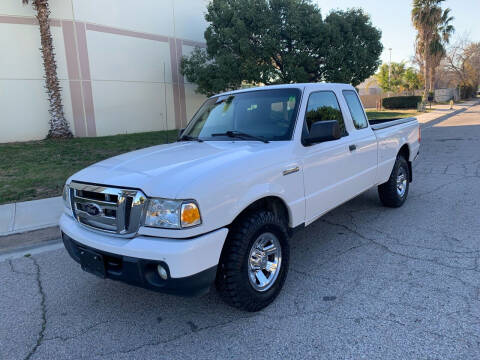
[378, 115]
[38, 169]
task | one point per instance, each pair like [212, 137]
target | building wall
[118, 64]
[373, 90]
[444, 95]
[371, 100]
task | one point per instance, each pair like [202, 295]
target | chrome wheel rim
[401, 182]
[264, 262]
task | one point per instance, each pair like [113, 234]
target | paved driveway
[366, 282]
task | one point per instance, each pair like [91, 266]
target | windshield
[266, 114]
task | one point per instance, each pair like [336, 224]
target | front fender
[256, 193]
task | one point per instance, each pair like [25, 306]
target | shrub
[401, 102]
[467, 92]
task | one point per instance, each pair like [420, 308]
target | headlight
[172, 214]
[66, 197]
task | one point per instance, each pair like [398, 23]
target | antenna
[390, 67]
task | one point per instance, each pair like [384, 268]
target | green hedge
[401, 102]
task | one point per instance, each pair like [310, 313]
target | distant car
[219, 205]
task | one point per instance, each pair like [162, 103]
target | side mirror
[323, 131]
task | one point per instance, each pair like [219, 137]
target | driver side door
[327, 166]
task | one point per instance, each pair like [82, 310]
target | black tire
[233, 281]
[388, 192]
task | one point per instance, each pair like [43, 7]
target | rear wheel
[394, 192]
[254, 261]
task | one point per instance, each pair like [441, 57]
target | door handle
[352, 147]
[291, 170]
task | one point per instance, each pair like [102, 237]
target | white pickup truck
[219, 205]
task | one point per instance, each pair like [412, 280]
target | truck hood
[162, 171]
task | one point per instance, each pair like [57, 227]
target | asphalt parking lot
[365, 282]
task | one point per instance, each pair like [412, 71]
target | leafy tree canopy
[282, 41]
[397, 77]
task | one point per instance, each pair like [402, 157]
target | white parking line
[32, 250]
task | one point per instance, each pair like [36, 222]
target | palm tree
[437, 53]
[59, 127]
[441, 37]
[434, 28]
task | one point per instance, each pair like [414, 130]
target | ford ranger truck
[218, 206]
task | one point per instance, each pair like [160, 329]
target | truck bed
[385, 123]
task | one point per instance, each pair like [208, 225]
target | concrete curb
[26, 216]
[29, 239]
[25, 251]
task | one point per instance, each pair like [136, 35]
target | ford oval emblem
[92, 209]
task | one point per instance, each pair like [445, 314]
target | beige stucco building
[117, 63]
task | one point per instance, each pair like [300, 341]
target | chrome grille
[107, 209]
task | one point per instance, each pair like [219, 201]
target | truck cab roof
[302, 86]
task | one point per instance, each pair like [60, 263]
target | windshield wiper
[241, 135]
[189, 138]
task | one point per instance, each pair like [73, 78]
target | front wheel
[394, 192]
[254, 261]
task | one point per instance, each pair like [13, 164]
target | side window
[323, 106]
[356, 109]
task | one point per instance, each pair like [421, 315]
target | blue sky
[393, 18]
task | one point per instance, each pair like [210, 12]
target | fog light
[162, 272]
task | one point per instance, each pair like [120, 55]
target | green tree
[390, 76]
[354, 47]
[397, 77]
[441, 37]
[433, 25]
[412, 80]
[437, 53]
[59, 127]
[281, 41]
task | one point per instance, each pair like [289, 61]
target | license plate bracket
[92, 262]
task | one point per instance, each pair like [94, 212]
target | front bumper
[190, 263]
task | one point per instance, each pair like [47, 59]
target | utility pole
[390, 67]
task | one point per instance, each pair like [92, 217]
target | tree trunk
[432, 78]
[59, 127]
[426, 68]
